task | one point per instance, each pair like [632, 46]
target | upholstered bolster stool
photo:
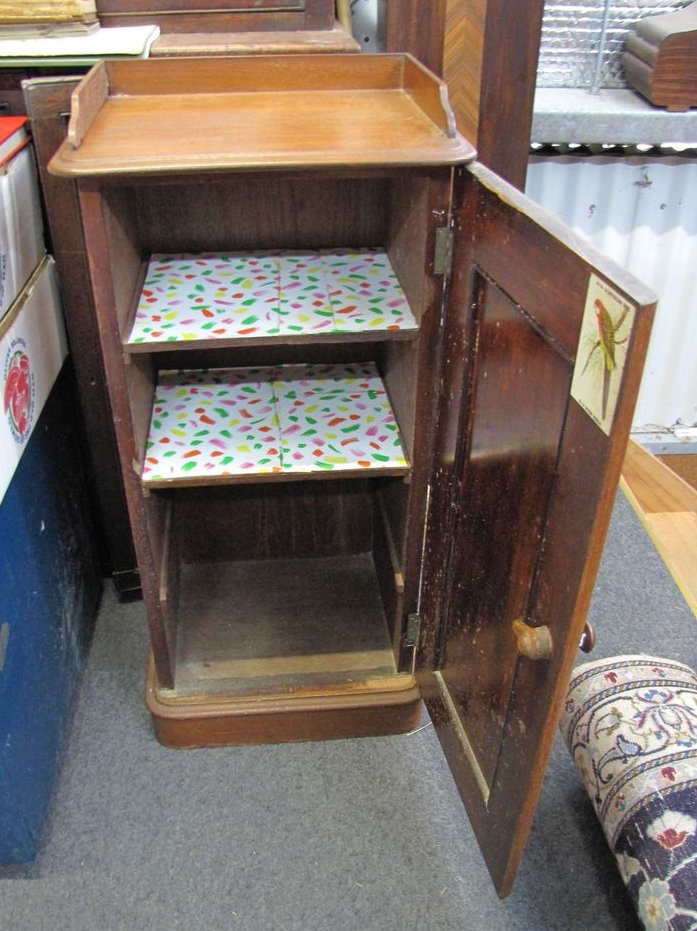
[630, 724]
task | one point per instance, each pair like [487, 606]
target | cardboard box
[32, 350]
[49, 583]
[21, 225]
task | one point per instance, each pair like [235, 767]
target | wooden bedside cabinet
[369, 413]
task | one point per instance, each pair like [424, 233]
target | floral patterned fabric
[630, 724]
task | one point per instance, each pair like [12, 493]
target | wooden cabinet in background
[367, 430]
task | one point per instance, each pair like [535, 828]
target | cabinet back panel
[247, 213]
[293, 519]
[272, 354]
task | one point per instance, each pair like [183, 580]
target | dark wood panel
[196, 6]
[199, 16]
[277, 354]
[517, 413]
[270, 521]
[531, 441]
[509, 73]
[263, 213]
[411, 28]
[552, 302]
[11, 96]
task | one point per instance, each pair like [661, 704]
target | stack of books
[20, 19]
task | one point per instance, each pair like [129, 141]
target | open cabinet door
[544, 342]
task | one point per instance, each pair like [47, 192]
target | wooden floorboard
[667, 507]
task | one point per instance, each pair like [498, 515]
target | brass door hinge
[443, 253]
[413, 630]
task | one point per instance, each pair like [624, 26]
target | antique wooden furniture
[368, 430]
[661, 59]
[486, 50]
[47, 100]
[204, 27]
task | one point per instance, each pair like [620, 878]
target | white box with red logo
[33, 348]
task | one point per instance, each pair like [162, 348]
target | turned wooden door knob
[587, 641]
[533, 642]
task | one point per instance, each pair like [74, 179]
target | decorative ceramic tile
[336, 418]
[266, 294]
[304, 305]
[202, 297]
[365, 293]
[213, 423]
[292, 419]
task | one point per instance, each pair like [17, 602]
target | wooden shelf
[207, 298]
[667, 507]
[309, 111]
[257, 424]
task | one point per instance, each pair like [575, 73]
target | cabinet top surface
[258, 112]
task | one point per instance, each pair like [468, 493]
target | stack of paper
[114, 42]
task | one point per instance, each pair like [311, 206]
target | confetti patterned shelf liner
[227, 424]
[264, 294]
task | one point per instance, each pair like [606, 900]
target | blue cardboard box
[49, 582]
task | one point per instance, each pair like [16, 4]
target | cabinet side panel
[147, 516]
[119, 212]
[420, 205]
[125, 254]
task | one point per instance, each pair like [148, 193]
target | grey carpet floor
[340, 835]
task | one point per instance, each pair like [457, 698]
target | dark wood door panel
[522, 488]
[519, 401]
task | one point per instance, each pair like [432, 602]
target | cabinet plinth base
[387, 706]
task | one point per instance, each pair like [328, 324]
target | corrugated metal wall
[641, 212]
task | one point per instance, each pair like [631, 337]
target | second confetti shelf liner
[231, 424]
